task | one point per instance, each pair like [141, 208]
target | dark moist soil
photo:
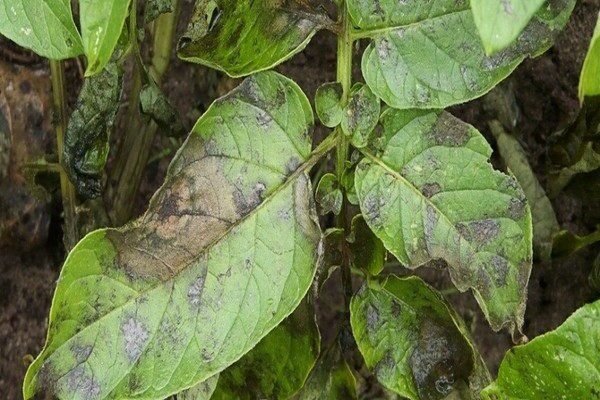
[31, 250]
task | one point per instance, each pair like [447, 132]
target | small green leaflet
[589, 81]
[46, 27]
[429, 193]
[328, 104]
[561, 364]
[501, 21]
[368, 253]
[227, 249]
[241, 37]
[432, 57]
[329, 195]
[414, 342]
[101, 26]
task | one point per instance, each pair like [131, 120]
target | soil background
[31, 249]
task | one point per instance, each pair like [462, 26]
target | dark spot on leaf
[396, 309]
[516, 209]
[485, 230]
[431, 189]
[448, 132]
[500, 272]
[245, 204]
[372, 209]
[196, 289]
[385, 365]
[85, 385]
[431, 220]
[292, 165]
[372, 320]
[135, 336]
[81, 352]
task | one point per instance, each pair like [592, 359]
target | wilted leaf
[360, 116]
[429, 193]
[227, 250]
[101, 26]
[561, 364]
[87, 138]
[501, 21]
[432, 57]
[155, 104]
[202, 391]
[589, 82]
[329, 195]
[331, 379]
[332, 257]
[46, 27]
[328, 104]
[545, 225]
[241, 37]
[279, 364]
[368, 253]
[567, 243]
[414, 342]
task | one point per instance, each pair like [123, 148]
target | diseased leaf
[432, 57]
[154, 8]
[545, 225]
[101, 26]
[589, 161]
[429, 193]
[241, 37]
[331, 379]
[46, 27]
[328, 104]
[567, 243]
[329, 195]
[561, 364]
[589, 81]
[87, 137]
[155, 104]
[227, 250]
[501, 21]
[332, 257]
[279, 364]
[414, 342]
[360, 116]
[202, 391]
[368, 253]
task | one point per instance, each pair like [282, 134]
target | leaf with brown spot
[226, 251]
[429, 193]
[414, 342]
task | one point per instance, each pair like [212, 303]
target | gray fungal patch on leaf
[195, 290]
[485, 230]
[373, 204]
[383, 49]
[292, 165]
[263, 119]
[373, 322]
[449, 131]
[500, 270]
[135, 337]
[516, 209]
[245, 203]
[431, 189]
[79, 382]
[81, 352]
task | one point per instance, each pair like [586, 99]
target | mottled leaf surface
[501, 21]
[414, 342]
[101, 26]
[429, 193]
[432, 57]
[360, 116]
[328, 104]
[279, 365]
[87, 138]
[589, 81]
[545, 225]
[46, 27]
[202, 391]
[329, 195]
[227, 250]
[240, 37]
[561, 364]
[154, 8]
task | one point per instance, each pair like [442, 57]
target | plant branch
[66, 187]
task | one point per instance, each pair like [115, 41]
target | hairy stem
[67, 190]
[344, 76]
[134, 152]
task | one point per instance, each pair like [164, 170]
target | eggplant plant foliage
[208, 294]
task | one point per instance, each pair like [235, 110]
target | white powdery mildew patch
[135, 336]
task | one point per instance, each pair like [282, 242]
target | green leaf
[567, 243]
[501, 21]
[279, 365]
[368, 252]
[432, 57]
[88, 133]
[589, 81]
[101, 26]
[202, 391]
[329, 195]
[429, 193]
[545, 225]
[227, 250]
[360, 116]
[328, 104]
[241, 37]
[413, 341]
[46, 27]
[561, 364]
[332, 378]
[156, 105]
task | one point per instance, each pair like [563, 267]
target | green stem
[344, 76]
[66, 187]
[134, 152]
